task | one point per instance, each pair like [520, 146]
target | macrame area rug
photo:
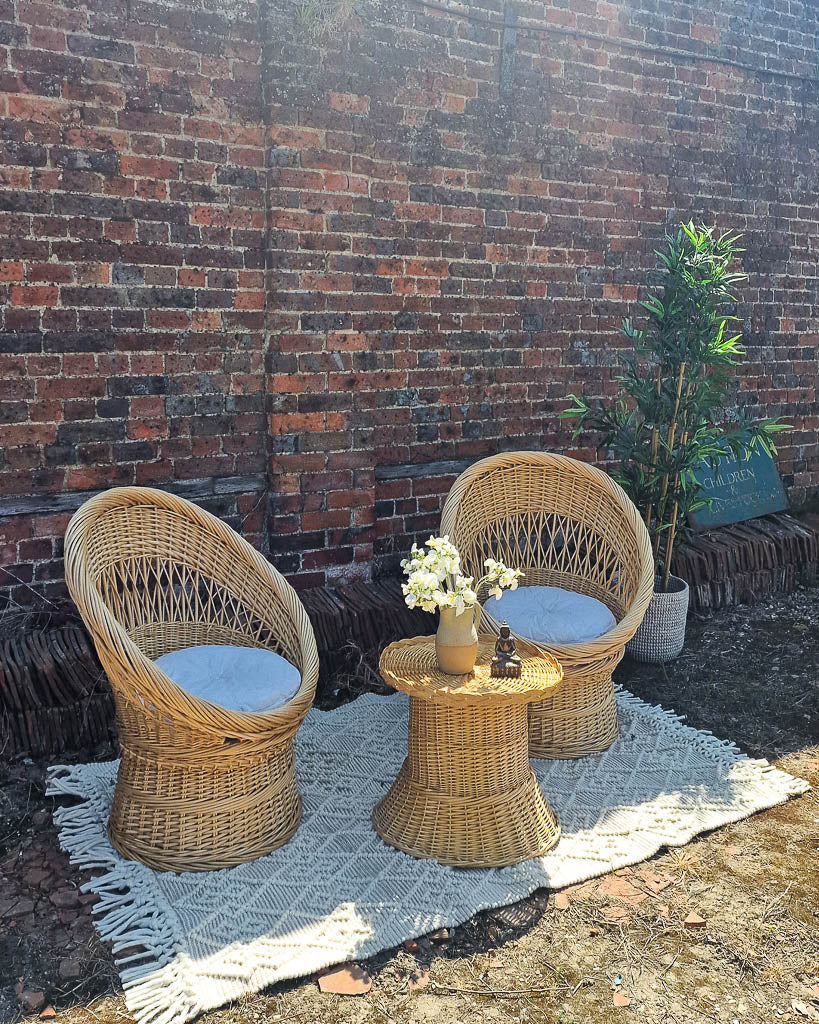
[336, 892]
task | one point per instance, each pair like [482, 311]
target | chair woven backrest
[171, 575]
[564, 523]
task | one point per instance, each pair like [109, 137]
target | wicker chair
[569, 525]
[199, 787]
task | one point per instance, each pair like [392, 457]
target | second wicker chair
[568, 525]
[199, 786]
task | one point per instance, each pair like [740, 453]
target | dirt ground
[614, 948]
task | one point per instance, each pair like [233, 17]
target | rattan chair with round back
[199, 786]
[565, 524]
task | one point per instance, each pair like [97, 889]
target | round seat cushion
[552, 615]
[236, 678]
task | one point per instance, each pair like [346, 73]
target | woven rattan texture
[199, 786]
[569, 525]
[466, 794]
[662, 632]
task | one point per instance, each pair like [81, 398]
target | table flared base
[466, 795]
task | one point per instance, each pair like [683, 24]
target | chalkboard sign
[739, 489]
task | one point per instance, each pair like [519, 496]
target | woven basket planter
[661, 634]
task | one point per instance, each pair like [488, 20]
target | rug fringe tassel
[667, 720]
[152, 977]
[62, 781]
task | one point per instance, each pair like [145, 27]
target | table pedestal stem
[466, 794]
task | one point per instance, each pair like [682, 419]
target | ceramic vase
[456, 642]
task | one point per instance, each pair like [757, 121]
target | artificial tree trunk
[663, 497]
[675, 490]
[655, 441]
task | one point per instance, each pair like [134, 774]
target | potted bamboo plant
[670, 417]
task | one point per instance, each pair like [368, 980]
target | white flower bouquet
[434, 578]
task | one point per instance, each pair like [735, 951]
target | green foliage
[673, 386]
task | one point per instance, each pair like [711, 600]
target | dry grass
[16, 618]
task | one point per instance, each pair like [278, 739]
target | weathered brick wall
[132, 273]
[459, 214]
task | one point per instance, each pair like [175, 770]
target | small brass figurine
[506, 663]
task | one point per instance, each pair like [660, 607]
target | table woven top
[412, 667]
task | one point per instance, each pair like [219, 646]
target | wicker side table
[466, 794]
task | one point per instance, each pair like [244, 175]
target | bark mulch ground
[724, 929]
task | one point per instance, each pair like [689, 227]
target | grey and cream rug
[187, 943]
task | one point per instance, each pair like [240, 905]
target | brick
[249, 300]
[24, 296]
[11, 272]
[146, 167]
[349, 103]
[105, 162]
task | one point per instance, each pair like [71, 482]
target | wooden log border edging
[745, 562]
[55, 699]
[54, 696]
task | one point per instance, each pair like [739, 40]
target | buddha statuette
[506, 662]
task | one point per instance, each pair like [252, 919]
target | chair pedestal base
[580, 719]
[173, 816]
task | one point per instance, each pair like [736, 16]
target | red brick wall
[132, 273]
[455, 237]
[459, 215]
